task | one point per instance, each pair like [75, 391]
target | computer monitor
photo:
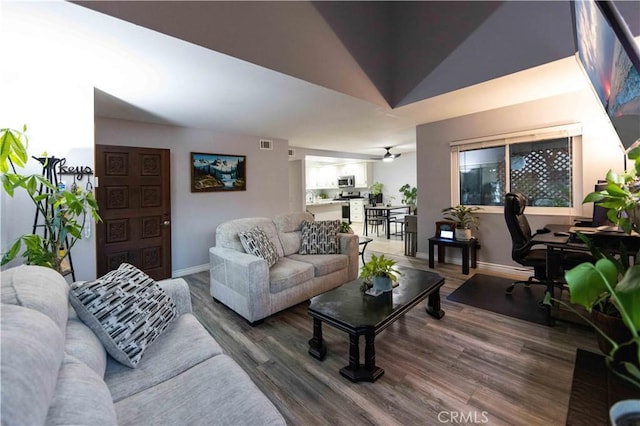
[599, 212]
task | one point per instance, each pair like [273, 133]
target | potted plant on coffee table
[464, 219]
[380, 273]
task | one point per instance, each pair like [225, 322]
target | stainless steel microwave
[346, 181]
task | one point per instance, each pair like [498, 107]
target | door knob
[166, 223]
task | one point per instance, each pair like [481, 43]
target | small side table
[469, 251]
[363, 241]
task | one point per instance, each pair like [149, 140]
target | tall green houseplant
[410, 197]
[64, 212]
[612, 284]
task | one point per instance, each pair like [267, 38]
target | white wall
[394, 174]
[600, 152]
[59, 119]
[195, 216]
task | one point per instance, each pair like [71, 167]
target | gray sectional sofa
[246, 284]
[54, 370]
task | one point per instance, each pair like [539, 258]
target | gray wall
[394, 174]
[195, 216]
[599, 153]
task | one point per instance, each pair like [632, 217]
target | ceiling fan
[388, 156]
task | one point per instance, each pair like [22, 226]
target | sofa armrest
[178, 291]
[349, 246]
[240, 281]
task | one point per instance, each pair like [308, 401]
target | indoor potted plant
[345, 227]
[610, 289]
[601, 288]
[64, 211]
[376, 191]
[380, 273]
[410, 197]
[464, 219]
[622, 195]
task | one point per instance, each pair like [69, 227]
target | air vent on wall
[266, 144]
[292, 152]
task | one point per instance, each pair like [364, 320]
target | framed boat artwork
[218, 172]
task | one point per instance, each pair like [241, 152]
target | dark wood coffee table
[348, 309]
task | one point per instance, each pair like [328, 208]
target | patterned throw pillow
[320, 237]
[126, 309]
[257, 243]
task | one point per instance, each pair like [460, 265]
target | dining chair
[375, 220]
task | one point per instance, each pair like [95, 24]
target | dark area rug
[594, 389]
[488, 292]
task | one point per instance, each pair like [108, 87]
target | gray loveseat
[54, 370]
[246, 284]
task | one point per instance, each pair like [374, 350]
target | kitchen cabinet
[362, 171]
[324, 177]
[356, 211]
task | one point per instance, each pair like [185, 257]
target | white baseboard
[516, 271]
[188, 271]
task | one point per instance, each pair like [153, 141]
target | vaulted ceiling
[350, 76]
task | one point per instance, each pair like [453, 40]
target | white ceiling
[144, 75]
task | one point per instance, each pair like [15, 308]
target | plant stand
[48, 171]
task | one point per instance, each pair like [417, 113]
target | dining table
[384, 211]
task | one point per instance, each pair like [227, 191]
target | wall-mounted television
[610, 58]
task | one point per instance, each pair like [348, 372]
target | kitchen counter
[327, 202]
[327, 209]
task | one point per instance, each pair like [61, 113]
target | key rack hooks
[77, 171]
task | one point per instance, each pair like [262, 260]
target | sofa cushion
[216, 391]
[288, 273]
[257, 243]
[323, 264]
[320, 237]
[31, 354]
[184, 344]
[178, 290]
[289, 228]
[38, 288]
[126, 309]
[227, 232]
[81, 397]
[84, 345]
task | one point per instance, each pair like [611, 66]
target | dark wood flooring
[472, 365]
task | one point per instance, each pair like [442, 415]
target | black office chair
[521, 238]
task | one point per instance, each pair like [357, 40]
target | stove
[348, 195]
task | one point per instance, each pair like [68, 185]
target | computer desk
[556, 245]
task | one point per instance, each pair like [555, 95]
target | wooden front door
[134, 196]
